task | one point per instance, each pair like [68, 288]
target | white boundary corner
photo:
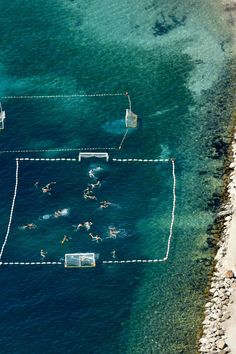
[164, 259]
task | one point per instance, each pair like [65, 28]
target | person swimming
[77, 227]
[58, 213]
[29, 227]
[95, 238]
[43, 254]
[113, 232]
[48, 187]
[104, 204]
[46, 190]
[88, 225]
[113, 254]
[87, 191]
[65, 239]
[88, 194]
[92, 197]
[94, 185]
[91, 173]
[61, 212]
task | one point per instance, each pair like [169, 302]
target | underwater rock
[205, 261]
[220, 146]
[215, 202]
[211, 242]
[166, 24]
[201, 173]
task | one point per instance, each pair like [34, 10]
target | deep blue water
[170, 59]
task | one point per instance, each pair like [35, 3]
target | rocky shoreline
[223, 283]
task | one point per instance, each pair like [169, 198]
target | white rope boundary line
[30, 263]
[47, 159]
[12, 209]
[63, 96]
[103, 262]
[57, 150]
[142, 160]
[76, 159]
[173, 211]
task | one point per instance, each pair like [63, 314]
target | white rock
[220, 344]
[208, 304]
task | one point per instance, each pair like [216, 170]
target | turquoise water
[173, 60]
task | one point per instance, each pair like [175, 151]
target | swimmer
[87, 191]
[113, 253]
[43, 254]
[29, 227]
[88, 225]
[50, 184]
[46, 190]
[77, 227]
[61, 212]
[65, 239]
[95, 238]
[88, 194]
[94, 185]
[36, 184]
[92, 197]
[48, 187]
[113, 232]
[91, 174]
[104, 204]
[58, 213]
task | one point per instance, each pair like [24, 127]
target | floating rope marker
[28, 97]
[55, 150]
[12, 209]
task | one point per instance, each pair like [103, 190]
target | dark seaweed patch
[164, 25]
[220, 147]
[215, 202]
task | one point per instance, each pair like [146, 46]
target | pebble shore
[223, 283]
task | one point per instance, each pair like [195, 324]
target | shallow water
[170, 59]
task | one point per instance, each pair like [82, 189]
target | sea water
[172, 58]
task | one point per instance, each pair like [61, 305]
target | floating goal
[93, 154]
[2, 117]
[131, 119]
[80, 260]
